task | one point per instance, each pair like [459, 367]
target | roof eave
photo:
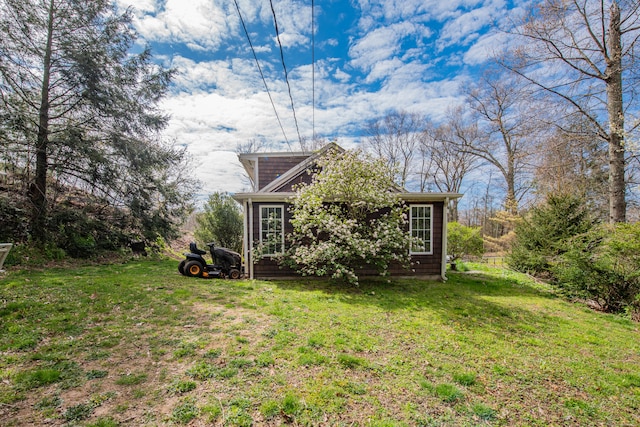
[285, 196]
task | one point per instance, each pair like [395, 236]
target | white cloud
[379, 45]
[467, 26]
[292, 39]
[220, 171]
[201, 23]
[233, 78]
[341, 76]
[486, 47]
[216, 104]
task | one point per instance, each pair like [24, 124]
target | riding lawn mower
[225, 263]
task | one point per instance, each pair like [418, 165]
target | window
[421, 228]
[271, 229]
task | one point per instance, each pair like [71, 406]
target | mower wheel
[193, 269]
[181, 266]
[234, 273]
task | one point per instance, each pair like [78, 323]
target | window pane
[421, 228]
[271, 226]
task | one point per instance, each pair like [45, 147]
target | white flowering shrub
[347, 218]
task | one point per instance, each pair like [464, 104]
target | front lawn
[138, 344]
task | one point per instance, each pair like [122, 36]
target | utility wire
[313, 72]
[262, 75]
[286, 75]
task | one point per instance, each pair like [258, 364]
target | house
[274, 176]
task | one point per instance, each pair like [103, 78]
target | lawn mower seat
[194, 249]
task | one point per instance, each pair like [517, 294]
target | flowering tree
[347, 218]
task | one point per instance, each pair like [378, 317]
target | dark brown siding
[270, 168]
[304, 177]
[421, 265]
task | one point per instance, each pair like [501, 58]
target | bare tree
[448, 165]
[584, 52]
[506, 131]
[574, 160]
[395, 138]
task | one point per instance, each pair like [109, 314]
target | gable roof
[250, 161]
[272, 191]
[300, 168]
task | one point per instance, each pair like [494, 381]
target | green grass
[102, 345]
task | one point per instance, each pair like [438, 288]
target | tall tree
[448, 164]
[501, 106]
[574, 160]
[81, 105]
[395, 138]
[585, 53]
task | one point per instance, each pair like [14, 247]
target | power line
[286, 75]
[262, 75]
[313, 72]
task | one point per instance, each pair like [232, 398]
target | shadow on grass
[467, 299]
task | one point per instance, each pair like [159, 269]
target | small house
[273, 178]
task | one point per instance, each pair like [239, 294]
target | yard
[138, 344]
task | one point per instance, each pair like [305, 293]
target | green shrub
[544, 232]
[603, 266]
[132, 379]
[14, 219]
[291, 405]
[463, 240]
[270, 409]
[202, 371]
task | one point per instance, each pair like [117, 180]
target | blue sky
[371, 57]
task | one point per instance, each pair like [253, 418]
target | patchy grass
[105, 345]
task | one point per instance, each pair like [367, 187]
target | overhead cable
[313, 72]
[262, 75]
[286, 75]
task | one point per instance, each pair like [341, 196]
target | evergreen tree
[80, 110]
[544, 232]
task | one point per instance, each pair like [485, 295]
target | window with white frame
[421, 229]
[272, 229]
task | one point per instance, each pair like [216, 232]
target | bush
[603, 266]
[543, 233]
[345, 220]
[221, 222]
[463, 240]
[13, 219]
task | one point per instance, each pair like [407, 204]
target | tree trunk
[453, 211]
[38, 190]
[617, 203]
[511, 202]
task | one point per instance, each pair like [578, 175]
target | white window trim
[282, 222]
[430, 251]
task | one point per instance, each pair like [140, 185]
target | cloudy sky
[364, 59]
